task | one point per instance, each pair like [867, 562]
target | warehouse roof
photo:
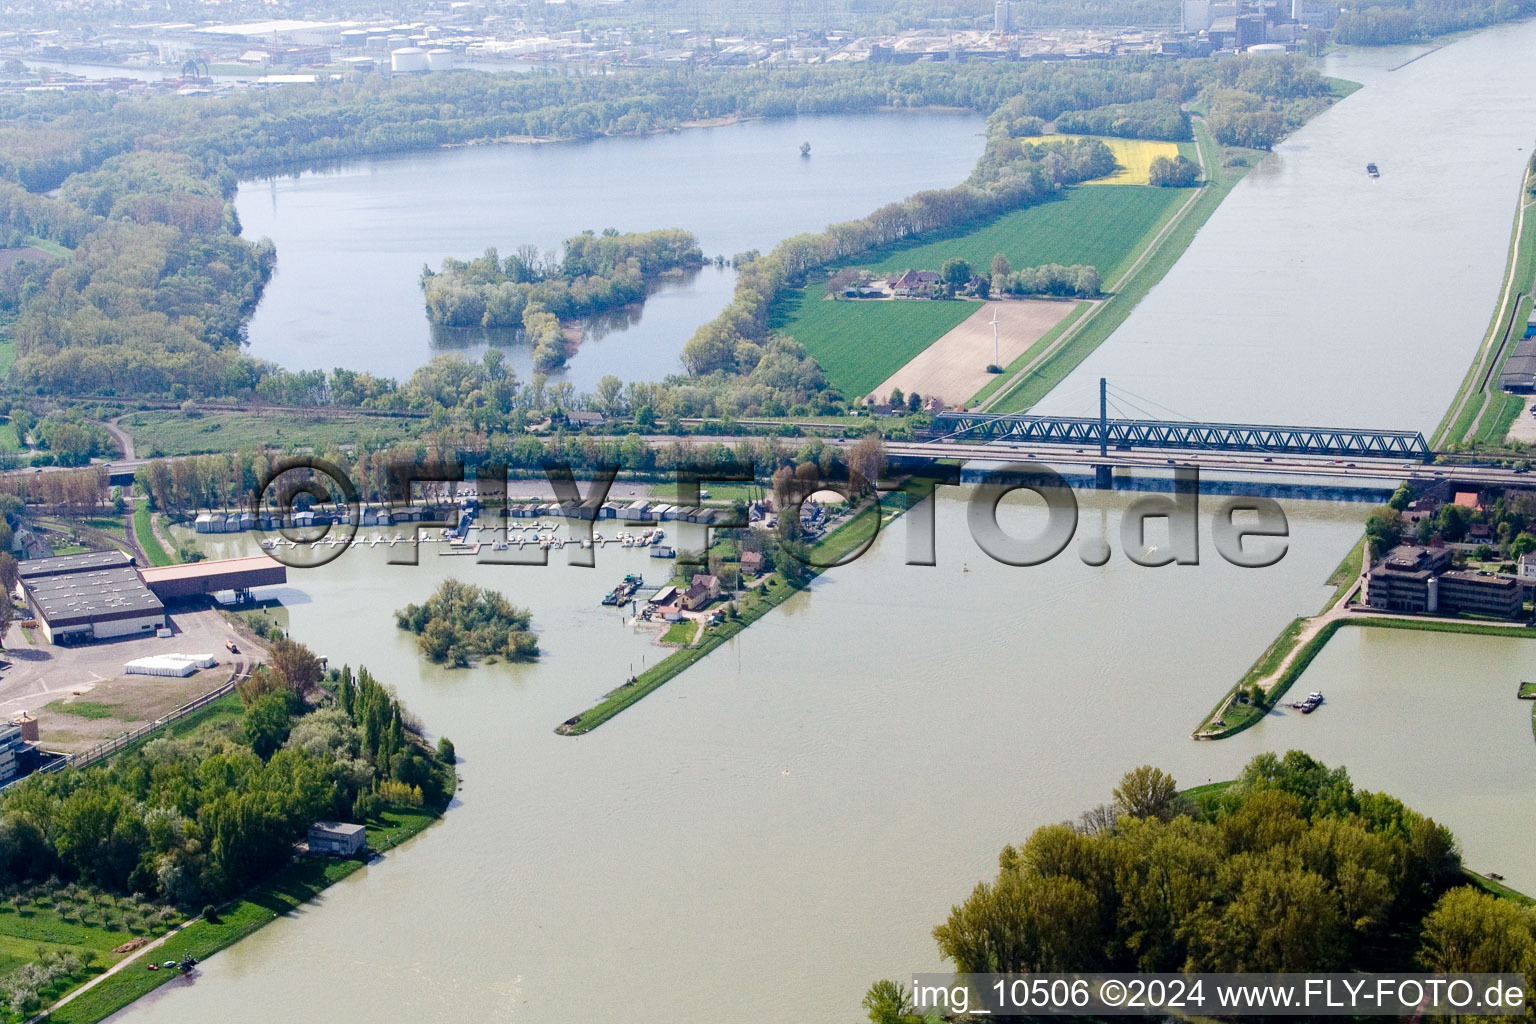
[197, 578]
[111, 593]
[37, 568]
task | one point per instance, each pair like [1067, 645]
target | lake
[351, 241]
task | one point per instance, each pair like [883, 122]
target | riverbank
[1481, 412]
[773, 591]
[1048, 362]
[1293, 650]
[284, 893]
[93, 918]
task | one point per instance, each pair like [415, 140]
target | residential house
[697, 597]
[915, 284]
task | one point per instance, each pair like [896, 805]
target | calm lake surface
[785, 822]
[351, 241]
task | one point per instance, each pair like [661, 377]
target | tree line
[1291, 868]
[1146, 119]
[1403, 21]
[200, 818]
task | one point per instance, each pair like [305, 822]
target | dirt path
[130, 959]
[122, 437]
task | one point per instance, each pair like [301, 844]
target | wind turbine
[996, 353]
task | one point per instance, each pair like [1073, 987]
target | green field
[860, 344]
[171, 432]
[1097, 226]
[1017, 393]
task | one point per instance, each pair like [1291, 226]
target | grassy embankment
[1030, 377]
[169, 432]
[285, 892]
[1100, 226]
[759, 601]
[144, 532]
[1241, 716]
[1481, 413]
[280, 895]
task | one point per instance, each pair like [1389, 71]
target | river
[1319, 295]
[351, 241]
[786, 821]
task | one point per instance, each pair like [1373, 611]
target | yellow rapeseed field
[1134, 156]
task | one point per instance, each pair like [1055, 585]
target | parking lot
[37, 674]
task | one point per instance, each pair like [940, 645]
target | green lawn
[1087, 333]
[51, 247]
[172, 432]
[681, 632]
[1099, 226]
[860, 344]
[83, 708]
[153, 549]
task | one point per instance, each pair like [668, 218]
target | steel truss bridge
[1169, 435]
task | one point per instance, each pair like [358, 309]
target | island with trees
[1290, 868]
[461, 623]
[593, 274]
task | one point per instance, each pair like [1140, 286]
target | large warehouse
[94, 596]
[102, 595]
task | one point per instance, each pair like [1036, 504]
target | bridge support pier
[1104, 478]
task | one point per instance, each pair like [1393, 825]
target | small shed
[337, 838]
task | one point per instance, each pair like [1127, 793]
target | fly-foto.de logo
[309, 511]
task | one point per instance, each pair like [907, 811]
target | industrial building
[102, 595]
[198, 579]
[1420, 580]
[95, 596]
[1519, 372]
[18, 756]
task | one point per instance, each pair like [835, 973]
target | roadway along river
[351, 241]
[785, 822]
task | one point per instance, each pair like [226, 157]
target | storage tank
[396, 41]
[440, 59]
[354, 39]
[378, 44]
[407, 59]
[1267, 48]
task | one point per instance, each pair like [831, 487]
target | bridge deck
[1124, 434]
